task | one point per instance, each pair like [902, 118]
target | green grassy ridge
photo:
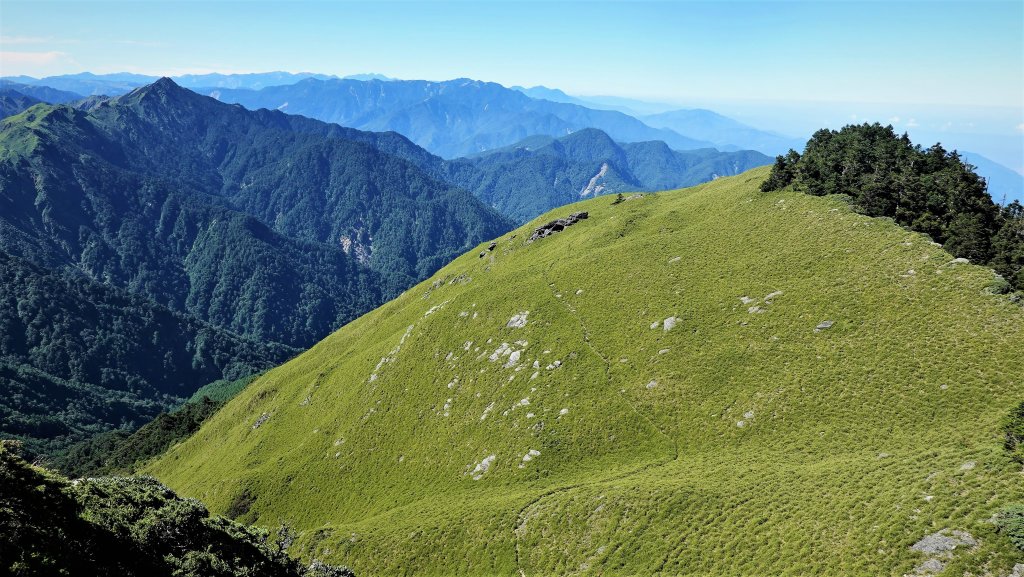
[853, 451]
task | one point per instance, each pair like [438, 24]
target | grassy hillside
[670, 405]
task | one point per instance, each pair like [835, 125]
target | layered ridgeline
[542, 172]
[716, 381]
[160, 240]
[17, 96]
[450, 118]
[13, 102]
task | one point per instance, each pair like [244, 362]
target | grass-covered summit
[715, 381]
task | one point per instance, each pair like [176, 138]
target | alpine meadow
[512, 289]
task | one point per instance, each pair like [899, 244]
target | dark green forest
[127, 526]
[78, 357]
[122, 451]
[929, 190]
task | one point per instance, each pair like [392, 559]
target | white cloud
[13, 63]
[1020, 127]
[894, 120]
[912, 123]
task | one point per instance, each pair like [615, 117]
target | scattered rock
[563, 412]
[939, 550]
[557, 225]
[482, 467]
[670, 323]
[501, 351]
[513, 359]
[746, 300]
[529, 456]
[967, 466]
[518, 321]
[944, 542]
[259, 422]
[823, 325]
[434, 309]
[960, 260]
[579, 292]
[483, 253]
[755, 310]
[655, 324]
[487, 411]
[491, 246]
[930, 567]
[768, 299]
[663, 351]
[674, 259]
[652, 384]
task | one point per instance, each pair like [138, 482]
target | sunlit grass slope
[434, 436]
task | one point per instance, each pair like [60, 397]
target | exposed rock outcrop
[557, 225]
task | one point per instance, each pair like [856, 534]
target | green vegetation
[221, 391]
[927, 190]
[126, 526]
[1013, 428]
[714, 381]
[1010, 522]
[156, 242]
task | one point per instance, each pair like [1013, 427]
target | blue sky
[952, 58]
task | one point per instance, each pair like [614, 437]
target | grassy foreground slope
[734, 439]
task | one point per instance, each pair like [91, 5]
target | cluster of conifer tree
[928, 190]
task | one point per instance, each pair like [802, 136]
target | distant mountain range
[88, 84]
[160, 240]
[542, 172]
[39, 93]
[459, 117]
[452, 118]
[725, 133]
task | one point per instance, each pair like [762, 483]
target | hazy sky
[947, 55]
